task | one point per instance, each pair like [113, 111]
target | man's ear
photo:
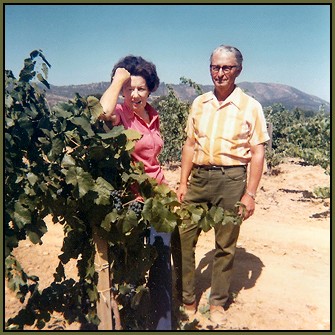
[239, 71]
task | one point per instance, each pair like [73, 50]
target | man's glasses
[225, 68]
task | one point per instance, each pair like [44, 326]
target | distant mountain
[266, 93]
[290, 97]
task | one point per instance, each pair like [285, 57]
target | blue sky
[285, 44]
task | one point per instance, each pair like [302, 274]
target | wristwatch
[252, 195]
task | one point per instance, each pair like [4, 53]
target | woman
[136, 78]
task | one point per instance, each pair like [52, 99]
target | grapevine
[62, 163]
[299, 134]
[173, 115]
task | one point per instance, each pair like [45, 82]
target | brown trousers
[223, 187]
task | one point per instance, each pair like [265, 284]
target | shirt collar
[234, 98]
[152, 112]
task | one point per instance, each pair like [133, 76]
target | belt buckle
[213, 167]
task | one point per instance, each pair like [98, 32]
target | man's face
[224, 70]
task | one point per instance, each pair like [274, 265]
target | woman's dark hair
[137, 66]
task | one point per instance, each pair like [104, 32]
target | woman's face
[136, 93]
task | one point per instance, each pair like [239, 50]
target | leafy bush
[298, 135]
[322, 192]
[173, 115]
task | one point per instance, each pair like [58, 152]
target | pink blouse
[150, 145]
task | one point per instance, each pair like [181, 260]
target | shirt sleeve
[189, 126]
[260, 132]
[118, 111]
[190, 120]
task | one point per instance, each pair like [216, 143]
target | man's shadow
[246, 270]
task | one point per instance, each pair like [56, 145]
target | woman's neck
[144, 115]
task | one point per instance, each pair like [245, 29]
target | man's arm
[186, 167]
[255, 175]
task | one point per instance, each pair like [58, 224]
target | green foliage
[173, 115]
[61, 162]
[191, 83]
[322, 192]
[207, 217]
[298, 135]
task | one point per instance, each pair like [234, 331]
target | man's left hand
[249, 209]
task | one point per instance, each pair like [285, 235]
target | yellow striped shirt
[224, 133]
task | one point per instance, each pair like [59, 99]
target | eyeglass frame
[224, 68]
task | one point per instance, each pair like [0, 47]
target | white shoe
[217, 315]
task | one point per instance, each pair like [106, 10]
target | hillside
[290, 97]
[266, 93]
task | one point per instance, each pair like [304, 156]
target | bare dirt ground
[282, 269]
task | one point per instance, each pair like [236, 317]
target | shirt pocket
[244, 130]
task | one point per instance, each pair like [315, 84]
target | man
[226, 131]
